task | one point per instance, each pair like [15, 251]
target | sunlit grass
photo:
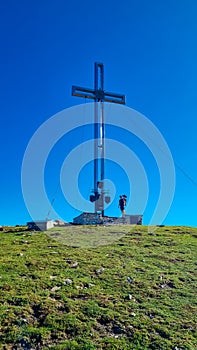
[117, 287]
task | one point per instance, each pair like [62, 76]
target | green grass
[99, 310]
[88, 236]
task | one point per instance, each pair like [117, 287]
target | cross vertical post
[96, 134]
[98, 94]
[99, 137]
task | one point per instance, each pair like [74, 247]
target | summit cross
[98, 94]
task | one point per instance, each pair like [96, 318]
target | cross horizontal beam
[98, 95]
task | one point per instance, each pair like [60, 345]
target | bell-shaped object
[92, 198]
[107, 199]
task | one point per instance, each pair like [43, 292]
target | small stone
[52, 277]
[169, 284]
[75, 264]
[133, 314]
[89, 285]
[129, 279]
[24, 320]
[79, 287]
[128, 297]
[100, 270]
[68, 281]
[69, 261]
[55, 289]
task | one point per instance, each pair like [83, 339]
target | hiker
[125, 199]
[121, 205]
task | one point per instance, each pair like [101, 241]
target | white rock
[75, 264]
[52, 277]
[55, 289]
[68, 281]
[24, 320]
[79, 287]
[100, 270]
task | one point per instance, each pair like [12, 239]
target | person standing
[125, 199]
[121, 205]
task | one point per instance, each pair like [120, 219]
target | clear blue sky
[149, 49]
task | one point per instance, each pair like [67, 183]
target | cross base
[97, 219]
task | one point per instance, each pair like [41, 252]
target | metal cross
[98, 94]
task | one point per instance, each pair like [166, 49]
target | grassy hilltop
[136, 292]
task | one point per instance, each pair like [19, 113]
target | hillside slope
[136, 292]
